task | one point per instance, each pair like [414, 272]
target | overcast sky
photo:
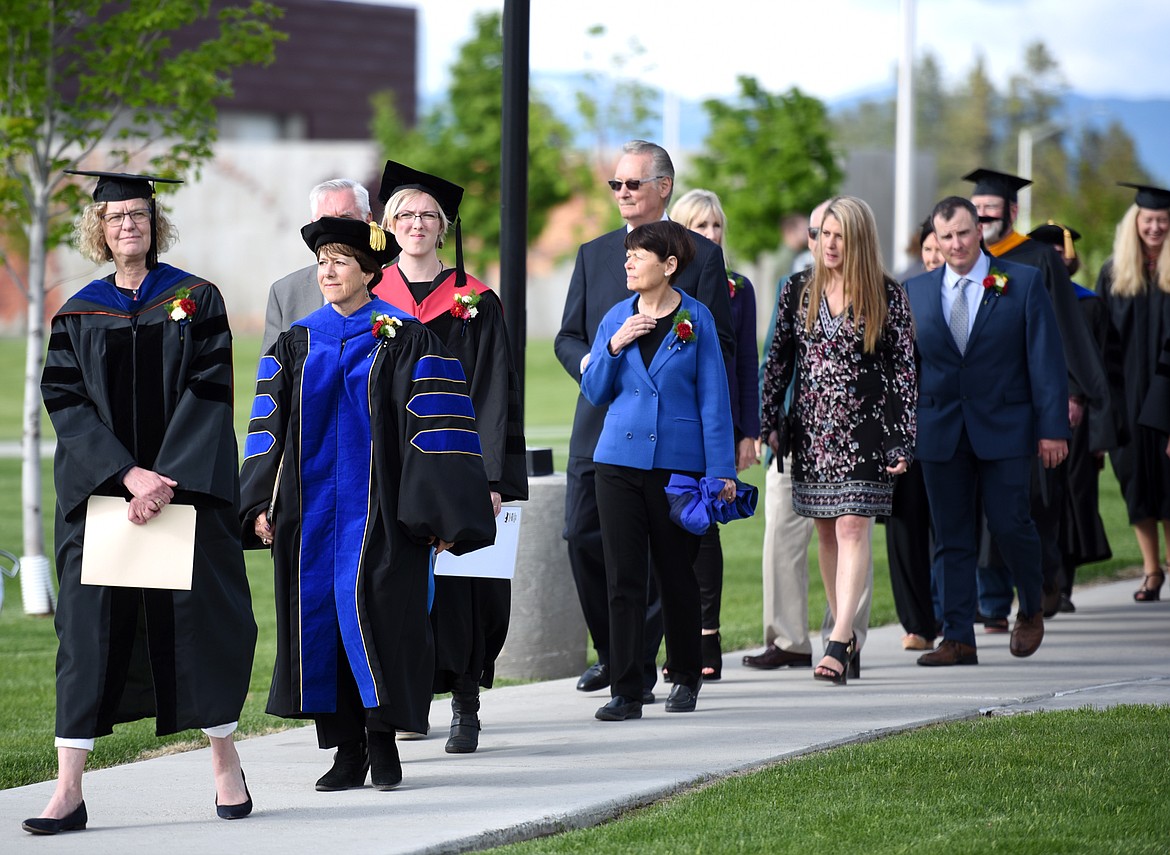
[1105, 47]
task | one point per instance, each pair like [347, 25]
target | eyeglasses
[813, 233]
[410, 216]
[137, 217]
[631, 184]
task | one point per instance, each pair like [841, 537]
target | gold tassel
[377, 238]
[1069, 252]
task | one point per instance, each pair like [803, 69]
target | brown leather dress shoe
[773, 657]
[1027, 635]
[950, 653]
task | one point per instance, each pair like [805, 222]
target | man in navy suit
[642, 186]
[992, 393]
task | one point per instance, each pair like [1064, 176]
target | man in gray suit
[296, 295]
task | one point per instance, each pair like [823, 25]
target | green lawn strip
[1068, 781]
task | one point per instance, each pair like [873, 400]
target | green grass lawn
[29, 644]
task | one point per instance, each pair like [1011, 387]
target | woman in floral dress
[844, 327]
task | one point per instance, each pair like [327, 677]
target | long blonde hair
[1129, 259]
[861, 268]
[693, 205]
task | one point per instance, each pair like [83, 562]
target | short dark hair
[950, 205]
[926, 229]
[664, 238]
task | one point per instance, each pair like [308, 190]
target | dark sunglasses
[813, 233]
[631, 184]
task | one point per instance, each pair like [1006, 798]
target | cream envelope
[159, 554]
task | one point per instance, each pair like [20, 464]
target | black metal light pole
[514, 181]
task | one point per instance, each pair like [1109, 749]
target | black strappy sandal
[842, 652]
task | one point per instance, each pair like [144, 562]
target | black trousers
[908, 546]
[351, 720]
[587, 561]
[635, 515]
[709, 573]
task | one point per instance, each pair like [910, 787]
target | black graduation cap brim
[120, 186]
[988, 182]
[399, 176]
[1151, 198]
[1052, 233]
[358, 234]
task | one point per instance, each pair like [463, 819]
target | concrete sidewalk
[546, 764]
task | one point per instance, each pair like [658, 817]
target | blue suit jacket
[674, 415]
[1010, 388]
[598, 284]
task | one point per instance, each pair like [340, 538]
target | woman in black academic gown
[361, 462]
[138, 385]
[1135, 285]
[470, 615]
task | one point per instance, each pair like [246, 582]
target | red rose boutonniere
[684, 331]
[384, 326]
[182, 308]
[734, 283]
[465, 305]
[997, 281]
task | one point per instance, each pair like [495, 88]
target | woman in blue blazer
[657, 365]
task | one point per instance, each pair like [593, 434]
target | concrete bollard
[546, 635]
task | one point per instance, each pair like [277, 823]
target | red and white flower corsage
[182, 308]
[684, 330]
[996, 280]
[384, 326]
[464, 307]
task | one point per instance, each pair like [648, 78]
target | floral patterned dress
[854, 412]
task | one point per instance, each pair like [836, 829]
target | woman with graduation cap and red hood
[470, 615]
[1135, 285]
[138, 385]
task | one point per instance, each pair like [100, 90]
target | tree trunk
[36, 586]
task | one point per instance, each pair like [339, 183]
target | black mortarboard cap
[1151, 198]
[398, 176]
[1053, 233]
[120, 186]
[988, 182]
[366, 237]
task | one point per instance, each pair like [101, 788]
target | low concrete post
[547, 635]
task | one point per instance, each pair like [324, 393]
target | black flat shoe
[619, 709]
[682, 699]
[235, 811]
[45, 825]
[596, 677]
[351, 762]
[385, 767]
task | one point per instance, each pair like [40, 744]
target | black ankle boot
[385, 767]
[464, 723]
[350, 764]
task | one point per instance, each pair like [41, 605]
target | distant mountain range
[1147, 121]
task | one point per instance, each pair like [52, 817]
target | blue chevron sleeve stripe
[447, 441]
[263, 406]
[427, 405]
[259, 442]
[268, 368]
[438, 368]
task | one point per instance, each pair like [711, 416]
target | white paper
[159, 554]
[492, 562]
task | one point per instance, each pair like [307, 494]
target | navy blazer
[1010, 388]
[674, 415]
[598, 284]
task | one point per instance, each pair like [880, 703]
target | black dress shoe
[648, 696]
[235, 811]
[44, 825]
[682, 699]
[385, 767]
[464, 738]
[773, 657]
[595, 677]
[619, 708]
[350, 764]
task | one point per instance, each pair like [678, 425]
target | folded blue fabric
[695, 503]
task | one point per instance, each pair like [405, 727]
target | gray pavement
[546, 764]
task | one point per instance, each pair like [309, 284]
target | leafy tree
[78, 73]
[460, 140]
[766, 155]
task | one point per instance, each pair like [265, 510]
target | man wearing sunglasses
[642, 185]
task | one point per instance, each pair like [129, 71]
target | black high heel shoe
[235, 811]
[842, 652]
[712, 657]
[855, 660]
[47, 825]
[1148, 592]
